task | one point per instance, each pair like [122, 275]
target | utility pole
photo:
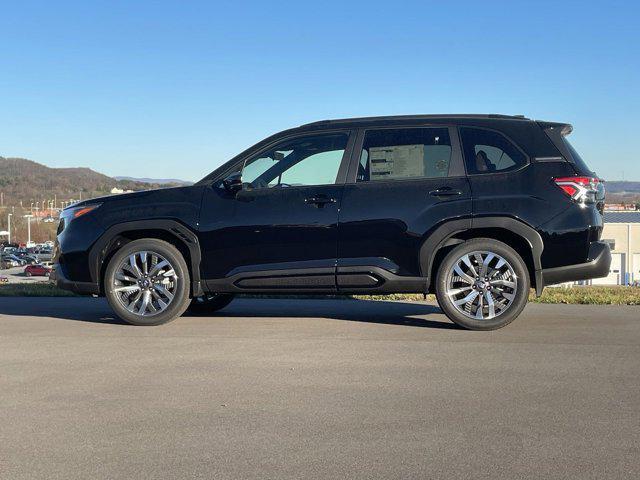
[28, 217]
[9, 225]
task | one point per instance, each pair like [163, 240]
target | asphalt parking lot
[317, 389]
[16, 275]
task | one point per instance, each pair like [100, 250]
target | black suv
[476, 208]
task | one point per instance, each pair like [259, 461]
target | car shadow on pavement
[94, 310]
[367, 311]
[62, 308]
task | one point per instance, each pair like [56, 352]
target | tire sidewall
[519, 267]
[169, 252]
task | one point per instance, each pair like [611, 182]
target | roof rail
[416, 117]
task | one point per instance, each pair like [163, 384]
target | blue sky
[175, 88]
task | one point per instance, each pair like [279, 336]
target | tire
[209, 303]
[503, 291]
[28, 274]
[161, 285]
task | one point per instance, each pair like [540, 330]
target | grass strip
[587, 295]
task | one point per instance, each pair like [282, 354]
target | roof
[622, 217]
[412, 118]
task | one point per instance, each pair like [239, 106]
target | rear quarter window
[577, 159]
[487, 151]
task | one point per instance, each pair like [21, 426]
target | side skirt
[343, 280]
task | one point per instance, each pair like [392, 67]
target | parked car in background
[15, 259]
[9, 261]
[474, 208]
[43, 253]
[37, 270]
[27, 258]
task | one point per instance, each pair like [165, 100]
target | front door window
[309, 160]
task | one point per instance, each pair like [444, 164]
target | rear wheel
[147, 282]
[209, 303]
[482, 284]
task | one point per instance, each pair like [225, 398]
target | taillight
[581, 189]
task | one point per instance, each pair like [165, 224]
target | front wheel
[482, 284]
[147, 282]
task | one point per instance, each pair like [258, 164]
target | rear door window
[486, 151]
[404, 153]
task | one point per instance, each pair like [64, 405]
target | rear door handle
[319, 200]
[445, 192]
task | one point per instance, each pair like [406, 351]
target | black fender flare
[444, 233]
[178, 230]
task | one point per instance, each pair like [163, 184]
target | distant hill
[622, 187]
[27, 181]
[164, 181]
[622, 192]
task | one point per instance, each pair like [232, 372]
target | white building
[116, 191]
[622, 232]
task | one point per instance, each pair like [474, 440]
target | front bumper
[83, 288]
[597, 265]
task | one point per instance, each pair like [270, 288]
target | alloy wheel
[481, 285]
[145, 283]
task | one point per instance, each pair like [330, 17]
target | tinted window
[577, 159]
[311, 160]
[486, 151]
[397, 154]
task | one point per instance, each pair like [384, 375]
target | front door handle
[445, 192]
[319, 200]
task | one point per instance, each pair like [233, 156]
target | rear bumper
[596, 266]
[83, 288]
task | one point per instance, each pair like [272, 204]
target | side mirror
[233, 183]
